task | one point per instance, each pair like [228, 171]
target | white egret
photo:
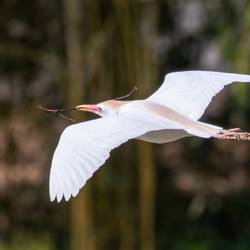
[171, 113]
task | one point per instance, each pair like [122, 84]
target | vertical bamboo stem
[81, 221]
[127, 32]
[140, 68]
[146, 166]
[147, 195]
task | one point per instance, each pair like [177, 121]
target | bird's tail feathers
[204, 130]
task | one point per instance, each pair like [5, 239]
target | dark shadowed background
[192, 194]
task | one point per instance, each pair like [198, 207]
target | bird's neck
[115, 105]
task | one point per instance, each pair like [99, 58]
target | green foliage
[228, 41]
[28, 241]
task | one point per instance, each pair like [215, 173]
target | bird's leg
[233, 134]
[54, 111]
[235, 130]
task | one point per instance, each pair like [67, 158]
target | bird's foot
[233, 134]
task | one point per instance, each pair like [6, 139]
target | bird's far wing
[190, 92]
[84, 147]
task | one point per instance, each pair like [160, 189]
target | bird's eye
[99, 109]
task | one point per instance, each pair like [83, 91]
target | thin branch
[54, 111]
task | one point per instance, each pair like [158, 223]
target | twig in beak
[54, 111]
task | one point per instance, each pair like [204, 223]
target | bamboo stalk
[81, 218]
[127, 67]
[146, 165]
[147, 195]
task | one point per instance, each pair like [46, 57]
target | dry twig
[54, 111]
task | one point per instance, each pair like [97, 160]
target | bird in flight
[171, 113]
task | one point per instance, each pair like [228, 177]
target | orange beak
[93, 108]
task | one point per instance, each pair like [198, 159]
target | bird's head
[105, 108]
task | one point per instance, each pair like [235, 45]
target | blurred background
[191, 194]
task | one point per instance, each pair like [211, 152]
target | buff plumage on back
[190, 92]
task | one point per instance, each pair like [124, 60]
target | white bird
[171, 113]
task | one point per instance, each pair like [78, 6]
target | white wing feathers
[83, 148]
[190, 92]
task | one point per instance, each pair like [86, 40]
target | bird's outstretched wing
[190, 92]
[84, 147]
